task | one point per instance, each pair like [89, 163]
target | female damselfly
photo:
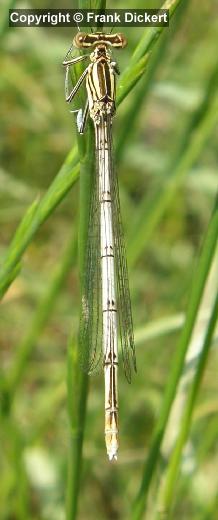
[106, 307]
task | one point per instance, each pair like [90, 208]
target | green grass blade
[209, 440]
[198, 285]
[141, 55]
[35, 216]
[40, 318]
[167, 493]
[10, 269]
[194, 138]
[4, 27]
[153, 33]
[130, 118]
[158, 328]
[77, 389]
[77, 380]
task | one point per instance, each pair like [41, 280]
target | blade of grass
[77, 390]
[4, 27]
[69, 172]
[10, 386]
[141, 55]
[211, 512]
[209, 440]
[77, 380]
[194, 138]
[197, 289]
[152, 34]
[8, 274]
[40, 318]
[130, 117]
[35, 216]
[193, 353]
[17, 488]
[162, 327]
[4, 405]
[177, 410]
[167, 492]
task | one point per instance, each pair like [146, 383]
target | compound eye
[122, 40]
[79, 40]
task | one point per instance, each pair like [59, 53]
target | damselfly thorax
[100, 84]
[100, 74]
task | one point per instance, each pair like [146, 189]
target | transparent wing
[122, 280]
[90, 329]
[90, 332]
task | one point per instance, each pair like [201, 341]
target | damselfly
[106, 307]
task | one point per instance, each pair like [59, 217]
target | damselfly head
[85, 40]
[79, 40]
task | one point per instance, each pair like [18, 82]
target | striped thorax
[100, 81]
[100, 84]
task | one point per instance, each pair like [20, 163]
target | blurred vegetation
[165, 140]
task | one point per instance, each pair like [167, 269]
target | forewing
[122, 280]
[90, 330]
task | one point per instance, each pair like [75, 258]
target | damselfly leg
[69, 94]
